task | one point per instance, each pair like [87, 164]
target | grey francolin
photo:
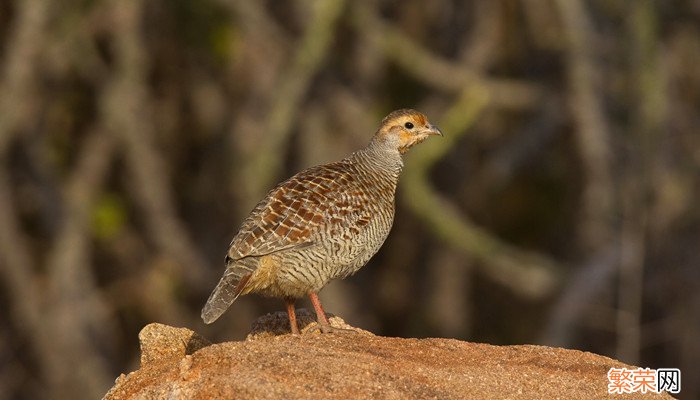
[323, 223]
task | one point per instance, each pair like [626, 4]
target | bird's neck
[381, 157]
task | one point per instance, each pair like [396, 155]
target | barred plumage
[324, 223]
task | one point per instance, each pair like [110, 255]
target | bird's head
[405, 128]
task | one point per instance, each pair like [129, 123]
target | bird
[323, 223]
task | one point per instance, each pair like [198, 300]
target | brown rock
[361, 365]
[162, 342]
[277, 323]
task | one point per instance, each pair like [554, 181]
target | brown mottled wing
[328, 198]
[294, 212]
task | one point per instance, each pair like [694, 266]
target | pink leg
[320, 315]
[292, 315]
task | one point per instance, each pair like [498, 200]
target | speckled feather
[323, 223]
[293, 213]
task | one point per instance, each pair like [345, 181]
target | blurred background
[560, 208]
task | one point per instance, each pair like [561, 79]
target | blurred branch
[586, 284]
[631, 270]
[542, 23]
[312, 50]
[18, 78]
[449, 306]
[78, 318]
[527, 273]
[482, 41]
[639, 185]
[264, 47]
[591, 132]
[254, 17]
[17, 104]
[437, 71]
[530, 142]
[125, 107]
[21, 287]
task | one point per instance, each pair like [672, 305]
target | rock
[162, 342]
[277, 323]
[273, 364]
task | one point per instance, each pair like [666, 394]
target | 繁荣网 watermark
[644, 380]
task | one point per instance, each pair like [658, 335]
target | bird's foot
[327, 328]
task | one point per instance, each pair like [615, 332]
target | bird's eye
[408, 125]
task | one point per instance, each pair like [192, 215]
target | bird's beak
[433, 131]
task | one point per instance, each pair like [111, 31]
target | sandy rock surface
[272, 364]
[161, 342]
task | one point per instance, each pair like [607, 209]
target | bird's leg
[321, 318]
[320, 315]
[292, 315]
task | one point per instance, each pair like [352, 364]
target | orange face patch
[406, 137]
[420, 119]
[394, 125]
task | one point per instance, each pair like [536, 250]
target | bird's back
[324, 222]
[323, 203]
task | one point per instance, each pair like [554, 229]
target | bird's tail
[226, 292]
